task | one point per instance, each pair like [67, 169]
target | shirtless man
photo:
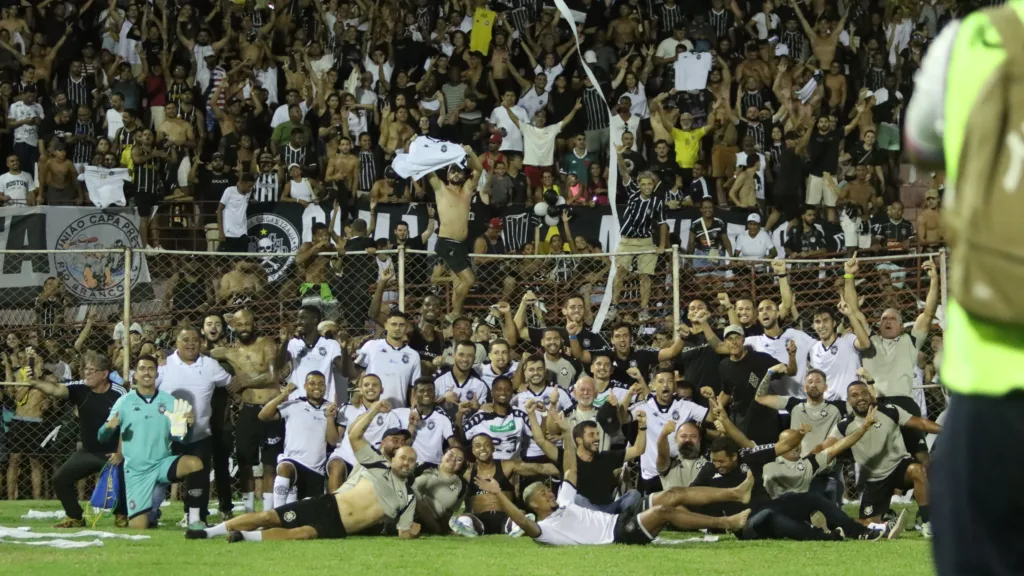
[383, 190]
[753, 67]
[835, 84]
[861, 192]
[27, 426]
[242, 284]
[743, 193]
[58, 180]
[823, 41]
[178, 131]
[313, 269]
[625, 30]
[395, 132]
[929, 223]
[373, 493]
[453, 201]
[343, 168]
[257, 441]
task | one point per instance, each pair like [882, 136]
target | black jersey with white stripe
[641, 213]
[267, 188]
[82, 151]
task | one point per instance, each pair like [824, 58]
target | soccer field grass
[167, 552]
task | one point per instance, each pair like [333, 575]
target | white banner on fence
[87, 276]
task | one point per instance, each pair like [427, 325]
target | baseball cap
[732, 329]
[754, 218]
[218, 155]
[397, 432]
[608, 419]
[495, 223]
[496, 138]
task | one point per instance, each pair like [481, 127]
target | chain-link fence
[82, 307]
[55, 306]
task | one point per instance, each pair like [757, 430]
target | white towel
[426, 155]
[59, 543]
[105, 185]
[61, 539]
[667, 542]
[48, 515]
[807, 91]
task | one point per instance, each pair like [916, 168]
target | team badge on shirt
[289, 516]
[675, 414]
[380, 420]
[586, 342]
[430, 425]
[800, 466]
[405, 358]
[322, 351]
[868, 510]
[161, 408]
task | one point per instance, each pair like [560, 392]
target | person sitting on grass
[374, 492]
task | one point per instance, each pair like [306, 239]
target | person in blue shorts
[149, 421]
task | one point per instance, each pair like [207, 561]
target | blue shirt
[145, 429]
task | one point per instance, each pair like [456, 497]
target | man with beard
[742, 313]
[838, 357]
[189, 376]
[460, 384]
[300, 470]
[425, 338]
[431, 427]
[392, 360]
[561, 369]
[499, 420]
[417, 266]
[500, 363]
[482, 507]
[533, 371]
[220, 425]
[679, 471]
[307, 351]
[93, 397]
[609, 409]
[624, 356]
[574, 310]
[257, 441]
[343, 459]
[453, 201]
[892, 359]
[883, 456]
[776, 343]
[702, 347]
[740, 373]
[661, 408]
[376, 492]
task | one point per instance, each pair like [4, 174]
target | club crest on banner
[272, 234]
[97, 276]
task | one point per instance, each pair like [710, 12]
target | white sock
[193, 515]
[248, 501]
[268, 501]
[218, 530]
[293, 494]
[282, 485]
[252, 536]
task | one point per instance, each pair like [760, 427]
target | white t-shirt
[374, 435]
[505, 431]
[692, 70]
[16, 187]
[28, 133]
[533, 102]
[617, 127]
[839, 362]
[756, 247]
[193, 383]
[667, 47]
[551, 74]
[281, 114]
[539, 144]
[473, 388]
[657, 416]
[105, 185]
[235, 204]
[370, 66]
[776, 348]
[432, 434]
[115, 121]
[320, 357]
[397, 368]
[305, 433]
[512, 137]
[488, 374]
[564, 403]
[765, 23]
[126, 46]
[573, 524]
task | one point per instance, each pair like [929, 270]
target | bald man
[252, 362]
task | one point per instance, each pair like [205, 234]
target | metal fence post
[944, 288]
[675, 288]
[127, 313]
[401, 277]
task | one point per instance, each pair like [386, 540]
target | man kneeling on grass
[562, 522]
[374, 492]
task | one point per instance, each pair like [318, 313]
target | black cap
[608, 418]
[398, 432]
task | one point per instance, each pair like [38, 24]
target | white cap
[754, 218]
[590, 57]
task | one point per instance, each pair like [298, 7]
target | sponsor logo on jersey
[509, 426]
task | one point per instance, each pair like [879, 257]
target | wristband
[642, 428]
[781, 275]
[869, 382]
[573, 337]
[848, 276]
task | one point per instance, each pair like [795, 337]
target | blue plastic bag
[104, 497]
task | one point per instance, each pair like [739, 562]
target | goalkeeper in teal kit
[149, 421]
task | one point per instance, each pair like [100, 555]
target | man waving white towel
[426, 155]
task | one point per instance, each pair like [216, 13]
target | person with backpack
[965, 118]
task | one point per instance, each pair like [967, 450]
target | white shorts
[818, 191]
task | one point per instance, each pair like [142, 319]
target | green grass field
[169, 553]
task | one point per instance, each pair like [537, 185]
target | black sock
[922, 511]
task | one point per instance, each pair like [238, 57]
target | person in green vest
[965, 117]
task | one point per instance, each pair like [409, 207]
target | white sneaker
[514, 530]
[926, 530]
[895, 528]
[184, 522]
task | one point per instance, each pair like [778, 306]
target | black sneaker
[195, 535]
[873, 535]
[234, 536]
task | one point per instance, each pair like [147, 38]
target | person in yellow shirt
[483, 22]
[687, 142]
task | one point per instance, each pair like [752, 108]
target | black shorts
[649, 486]
[146, 203]
[257, 441]
[26, 438]
[239, 244]
[309, 483]
[493, 522]
[628, 529]
[320, 513]
[878, 493]
[912, 438]
[454, 253]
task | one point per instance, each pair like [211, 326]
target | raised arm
[269, 411]
[358, 428]
[761, 396]
[852, 306]
[924, 322]
[640, 444]
[664, 459]
[545, 445]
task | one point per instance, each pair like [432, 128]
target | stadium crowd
[347, 416]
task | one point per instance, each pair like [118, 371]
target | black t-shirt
[93, 410]
[754, 459]
[428, 349]
[643, 359]
[740, 381]
[588, 340]
[363, 267]
[824, 153]
[666, 171]
[212, 186]
[595, 480]
[699, 362]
